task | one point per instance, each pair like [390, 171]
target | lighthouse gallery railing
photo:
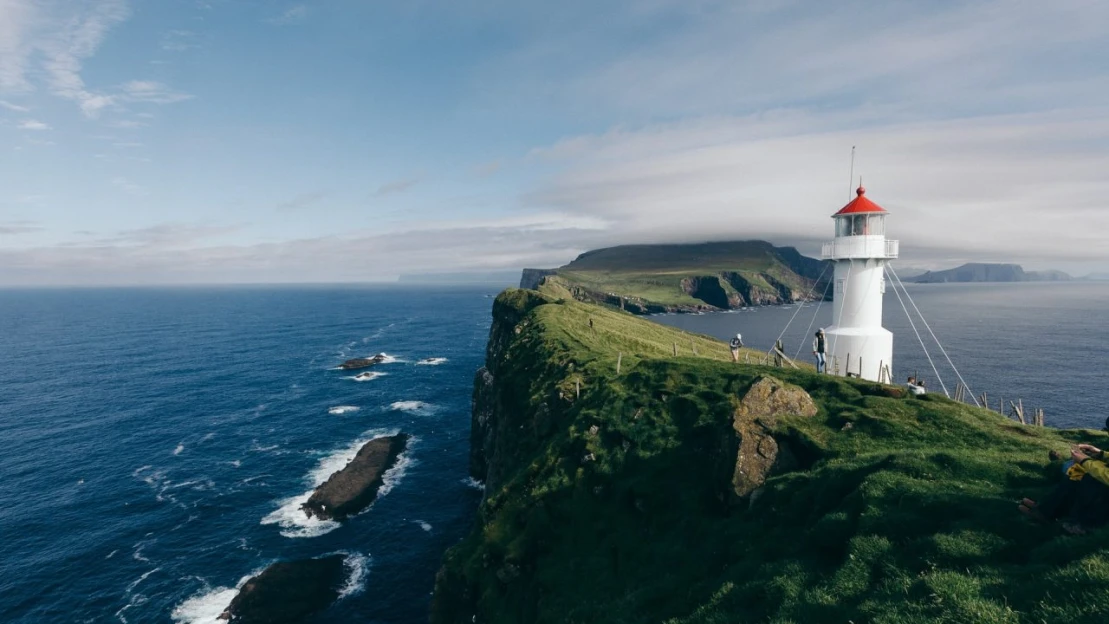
[860, 247]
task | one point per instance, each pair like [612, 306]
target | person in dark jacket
[736, 344]
[1082, 499]
[818, 350]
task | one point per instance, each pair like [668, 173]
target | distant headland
[647, 279]
[989, 272]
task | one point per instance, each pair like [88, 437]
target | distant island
[987, 272]
[646, 279]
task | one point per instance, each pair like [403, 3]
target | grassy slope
[908, 515]
[654, 272]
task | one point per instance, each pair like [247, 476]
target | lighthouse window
[877, 224]
[843, 226]
[860, 225]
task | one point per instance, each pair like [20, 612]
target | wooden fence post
[577, 387]
[619, 358]
[675, 349]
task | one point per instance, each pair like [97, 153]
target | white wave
[180, 447]
[473, 483]
[139, 580]
[414, 407]
[393, 476]
[359, 566]
[289, 515]
[206, 606]
[388, 359]
[423, 525]
[236, 462]
[262, 449]
[343, 409]
[432, 361]
[138, 556]
[368, 376]
[112, 554]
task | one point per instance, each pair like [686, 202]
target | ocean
[155, 443]
[1040, 342]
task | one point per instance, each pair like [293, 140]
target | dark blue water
[1043, 343]
[151, 441]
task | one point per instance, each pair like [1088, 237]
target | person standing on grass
[736, 344]
[818, 350]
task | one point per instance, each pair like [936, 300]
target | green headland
[689, 489]
[706, 276]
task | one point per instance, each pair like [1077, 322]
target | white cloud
[71, 42]
[980, 185]
[128, 186]
[152, 92]
[14, 107]
[16, 18]
[292, 15]
[396, 186]
[33, 124]
[179, 41]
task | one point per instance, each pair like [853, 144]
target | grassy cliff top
[616, 508]
[654, 274]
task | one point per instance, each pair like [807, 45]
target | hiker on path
[736, 344]
[915, 387]
[818, 351]
[1082, 499]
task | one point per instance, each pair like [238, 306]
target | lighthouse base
[860, 352]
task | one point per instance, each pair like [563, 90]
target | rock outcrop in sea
[288, 592]
[356, 363]
[352, 489]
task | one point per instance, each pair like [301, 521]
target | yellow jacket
[1095, 467]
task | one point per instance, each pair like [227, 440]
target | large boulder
[288, 591]
[352, 489]
[760, 455]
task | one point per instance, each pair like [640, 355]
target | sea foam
[432, 361]
[414, 407]
[342, 409]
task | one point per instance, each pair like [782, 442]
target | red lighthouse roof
[859, 205]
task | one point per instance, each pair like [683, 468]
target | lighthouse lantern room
[857, 344]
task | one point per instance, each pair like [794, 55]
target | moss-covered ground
[904, 509]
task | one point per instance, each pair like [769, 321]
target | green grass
[653, 274]
[903, 512]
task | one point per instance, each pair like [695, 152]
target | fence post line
[619, 358]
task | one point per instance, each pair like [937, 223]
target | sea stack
[352, 489]
[288, 591]
[356, 363]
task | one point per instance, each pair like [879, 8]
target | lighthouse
[857, 344]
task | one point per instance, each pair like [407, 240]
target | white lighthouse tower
[857, 344]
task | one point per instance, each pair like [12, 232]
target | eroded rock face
[353, 488]
[760, 455]
[288, 591]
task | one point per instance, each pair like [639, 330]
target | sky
[229, 141]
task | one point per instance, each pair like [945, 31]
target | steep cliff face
[624, 484]
[532, 278]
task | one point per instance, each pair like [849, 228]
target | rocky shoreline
[357, 363]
